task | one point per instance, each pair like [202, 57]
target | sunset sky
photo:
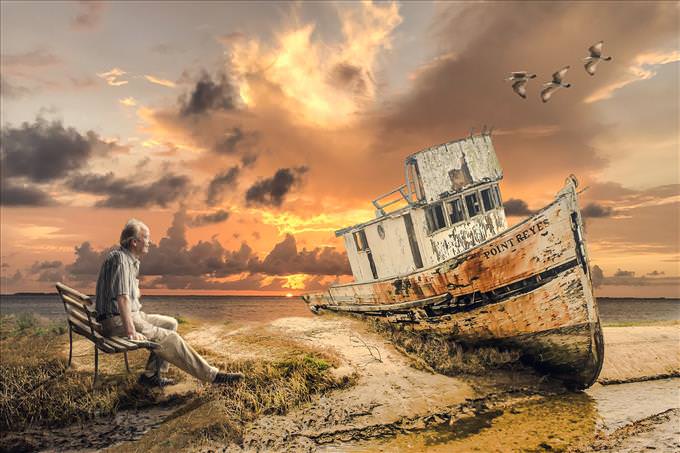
[245, 134]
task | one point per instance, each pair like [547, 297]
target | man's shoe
[154, 381]
[227, 378]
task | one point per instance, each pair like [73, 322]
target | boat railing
[380, 205]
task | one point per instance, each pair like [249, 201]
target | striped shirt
[117, 276]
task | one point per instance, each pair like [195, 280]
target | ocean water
[265, 309]
[217, 309]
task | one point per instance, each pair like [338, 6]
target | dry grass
[220, 414]
[445, 355]
[36, 388]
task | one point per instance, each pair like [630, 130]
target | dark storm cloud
[182, 266]
[89, 15]
[595, 210]
[10, 281]
[517, 208]
[348, 77]
[88, 261]
[44, 151]
[234, 139]
[40, 266]
[248, 159]
[286, 259]
[220, 183]
[173, 256]
[48, 271]
[628, 278]
[208, 95]
[208, 219]
[484, 42]
[597, 276]
[127, 193]
[622, 273]
[14, 194]
[272, 191]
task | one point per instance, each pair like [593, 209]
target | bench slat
[74, 303]
[83, 322]
[123, 343]
[85, 332]
[77, 294]
[83, 319]
[99, 339]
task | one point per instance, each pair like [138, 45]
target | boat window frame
[479, 204]
[497, 192]
[428, 209]
[490, 189]
[450, 201]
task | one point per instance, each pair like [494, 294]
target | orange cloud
[322, 84]
[158, 81]
[641, 69]
[128, 101]
[112, 77]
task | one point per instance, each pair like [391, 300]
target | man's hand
[136, 336]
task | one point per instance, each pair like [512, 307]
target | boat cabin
[449, 203]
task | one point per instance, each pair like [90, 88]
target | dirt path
[389, 391]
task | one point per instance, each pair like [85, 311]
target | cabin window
[360, 240]
[487, 199]
[456, 212]
[472, 202]
[435, 217]
[497, 196]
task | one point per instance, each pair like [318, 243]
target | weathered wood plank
[391, 307]
[74, 293]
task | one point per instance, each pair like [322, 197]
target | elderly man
[119, 311]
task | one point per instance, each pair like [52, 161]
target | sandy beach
[396, 395]
[395, 402]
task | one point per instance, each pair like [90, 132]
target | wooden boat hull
[527, 288]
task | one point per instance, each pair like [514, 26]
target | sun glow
[289, 223]
[322, 83]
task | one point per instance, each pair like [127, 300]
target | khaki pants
[162, 329]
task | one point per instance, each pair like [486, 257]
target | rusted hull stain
[555, 321]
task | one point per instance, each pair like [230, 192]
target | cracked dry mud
[389, 396]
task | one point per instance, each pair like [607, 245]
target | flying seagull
[555, 84]
[519, 81]
[595, 57]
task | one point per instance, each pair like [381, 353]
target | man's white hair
[132, 230]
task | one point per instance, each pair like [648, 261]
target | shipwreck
[439, 257]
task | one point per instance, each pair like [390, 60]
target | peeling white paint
[444, 170]
[454, 166]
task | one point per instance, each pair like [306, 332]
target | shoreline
[392, 393]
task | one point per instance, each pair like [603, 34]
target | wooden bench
[82, 320]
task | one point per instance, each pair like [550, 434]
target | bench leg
[96, 365]
[127, 364]
[70, 345]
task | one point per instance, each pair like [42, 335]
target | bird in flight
[519, 81]
[555, 84]
[594, 58]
